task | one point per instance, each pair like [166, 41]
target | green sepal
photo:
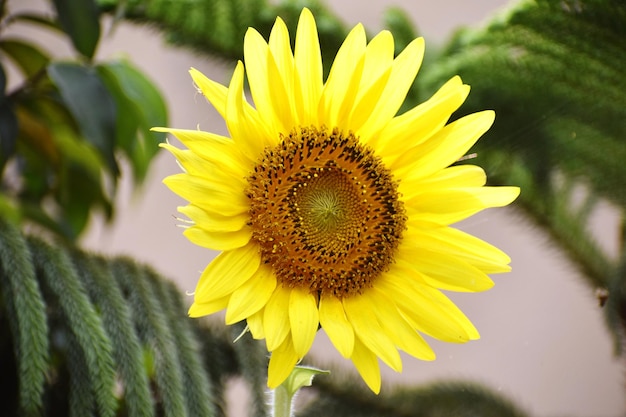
[301, 376]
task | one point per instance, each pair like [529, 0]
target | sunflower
[332, 211]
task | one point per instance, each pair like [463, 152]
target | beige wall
[543, 342]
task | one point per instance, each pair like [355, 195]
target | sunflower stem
[281, 403]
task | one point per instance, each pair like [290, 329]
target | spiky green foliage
[217, 27]
[90, 336]
[24, 315]
[553, 71]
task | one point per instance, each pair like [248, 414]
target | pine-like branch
[87, 336]
[117, 321]
[154, 331]
[553, 71]
[94, 348]
[217, 27]
[199, 401]
[24, 309]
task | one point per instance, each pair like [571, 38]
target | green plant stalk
[281, 402]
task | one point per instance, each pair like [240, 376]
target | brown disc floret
[325, 212]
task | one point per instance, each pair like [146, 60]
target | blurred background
[544, 342]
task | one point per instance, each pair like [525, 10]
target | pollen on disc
[325, 212]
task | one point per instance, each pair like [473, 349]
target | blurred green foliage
[65, 123]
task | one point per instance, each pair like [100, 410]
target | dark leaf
[79, 18]
[30, 59]
[8, 123]
[91, 105]
[78, 195]
[8, 132]
[141, 107]
[36, 19]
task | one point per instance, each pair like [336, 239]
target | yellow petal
[343, 80]
[209, 195]
[213, 91]
[201, 308]
[303, 318]
[461, 245]
[255, 51]
[451, 205]
[281, 76]
[276, 318]
[445, 147]
[376, 72]
[404, 70]
[419, 123]
[336, 325]
[218, 240]
[442, 271]
[367, 364]
[282, 362]
[369, 331]
[252, 296]
[308, 69]
[280, 48]
[255, 324]
[398, 329]
[248, 132]
[266, 84]
[227, 272]
[190, 161]
[378, 58]
[213, 221]
[426, 308]
[218, 150]
[364, 107]
[456, 176]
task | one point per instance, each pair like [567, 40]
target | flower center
[325, 212]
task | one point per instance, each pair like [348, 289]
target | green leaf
[78, 195]
[79, 19]
[37, 19]
[9, 211]
[140, 107]
[8, 123]
[27, 57]
[90, 103]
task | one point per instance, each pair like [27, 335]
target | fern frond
[81, 394]
[83, 322]
[151, 320]
[553, 71]
[200, 399]
[25, 316]
[217, 27]
[117, 320]
[87, 335]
